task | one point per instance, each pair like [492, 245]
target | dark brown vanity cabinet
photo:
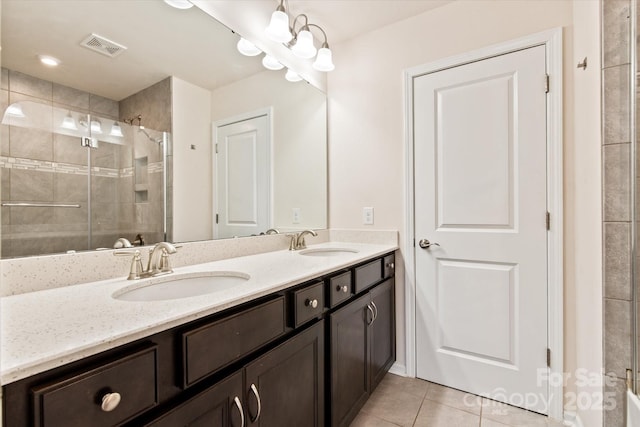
[307, 356]
[362, 350]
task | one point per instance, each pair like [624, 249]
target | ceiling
[162, 41]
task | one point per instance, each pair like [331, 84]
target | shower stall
[76, 179]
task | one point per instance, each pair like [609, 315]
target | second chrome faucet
[297, 240]
[158, 261]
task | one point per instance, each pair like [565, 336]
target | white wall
[192, 191]
[299, 133]
[366, 134]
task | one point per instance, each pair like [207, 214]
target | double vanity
[282, 338]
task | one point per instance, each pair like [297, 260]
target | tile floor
[408, 402]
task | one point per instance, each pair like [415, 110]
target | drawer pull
[236, 401]
[254, 390]
[313, 303]
[344, 289]
[110, 401]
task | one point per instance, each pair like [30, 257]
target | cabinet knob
[344, 289]
[110, 401]
[313, 303]
[391, 265]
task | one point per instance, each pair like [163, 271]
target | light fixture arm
[324, 43]
[305, 26]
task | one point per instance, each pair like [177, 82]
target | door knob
[426, 244]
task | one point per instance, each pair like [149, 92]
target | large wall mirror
[152, 127]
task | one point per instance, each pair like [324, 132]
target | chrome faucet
[158, 261]
[297, 240]
[159, 258]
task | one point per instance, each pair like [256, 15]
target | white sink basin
[328, 251]
[182, 286]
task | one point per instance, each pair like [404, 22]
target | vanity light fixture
[292, 76]
[300, 40]
[247, 48]
[271, 63]
[69, 122]
[179, 4]
[15, 110]
[116, 130]
[96, 126]
[49, 61]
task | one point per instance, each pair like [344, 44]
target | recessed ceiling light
[179, 4]
[49, 61]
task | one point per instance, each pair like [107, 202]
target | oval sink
[184, 286]
[328, 251]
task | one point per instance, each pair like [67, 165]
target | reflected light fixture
[179, 4]
[116, 130]
[96, 126]
[247, 48]
[49, 61]
[69, 122]
[271, 63]
[300, 39]
[292, 76]
[15, 110]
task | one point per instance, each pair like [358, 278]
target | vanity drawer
[308, 303]
[214, 346]
[339, 288]
[368, 275]
[389, 266]
[78, 400]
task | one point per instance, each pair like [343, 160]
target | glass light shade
[324, 61]
[292, 76]
[15, 110]
[278, 29]
[96, 126]
[116, 130]
[304, 47]
[179, 4]
[247, 48]
[69, 123]
[271, 63]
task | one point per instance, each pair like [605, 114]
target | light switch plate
[367, 216]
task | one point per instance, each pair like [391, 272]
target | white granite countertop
[46, 329]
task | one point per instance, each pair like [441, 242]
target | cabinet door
[382, 331]
[285, 387]
[218, 406]
[349, 360]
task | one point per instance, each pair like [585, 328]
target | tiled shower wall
[616, 211]
[41, 166]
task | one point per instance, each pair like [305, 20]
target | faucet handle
[294, 241]
[165, 262]
[136, 270]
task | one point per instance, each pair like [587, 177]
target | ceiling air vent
[102, 45]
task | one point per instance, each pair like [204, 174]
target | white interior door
[480, 193]
[242, 177]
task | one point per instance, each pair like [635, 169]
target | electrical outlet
[296, 216]
[367, 216]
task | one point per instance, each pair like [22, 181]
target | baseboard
[398, 369]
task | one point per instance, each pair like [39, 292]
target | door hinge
[548, 221]
[546, 83]
[548, 358]
[216, 148]
[216, 218]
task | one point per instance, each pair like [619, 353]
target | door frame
[552, 40]
[266, 111]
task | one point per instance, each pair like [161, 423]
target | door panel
[242, 177]
[480, 192]
[383, 329]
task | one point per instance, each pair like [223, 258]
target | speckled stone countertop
[46, 329]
